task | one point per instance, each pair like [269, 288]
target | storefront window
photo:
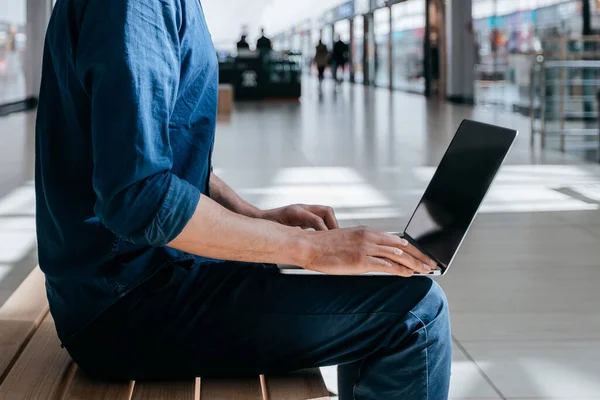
[297, 42]
[342, 28]
[408, 35]
[307, 49]
[358, 49]
[508, 34]
[315, 35]
[279, 42]
[12, 51]
[382, 54]
[328, 37]
[287, 41]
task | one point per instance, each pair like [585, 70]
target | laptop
[450, 204]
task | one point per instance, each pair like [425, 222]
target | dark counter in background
[256, 76]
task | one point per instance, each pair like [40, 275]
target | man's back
[263, 43]
[124, 137]
[243, 45]
[339, 51]
[321, 55]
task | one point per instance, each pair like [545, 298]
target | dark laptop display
[457, 189]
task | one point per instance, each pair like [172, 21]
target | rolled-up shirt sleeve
[128, 60]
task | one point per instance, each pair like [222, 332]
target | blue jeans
[389, 336]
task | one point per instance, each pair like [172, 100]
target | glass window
[507, 33]
[358, 49]
[315, 36]
[307, 49]
[408, 35]
[382, 56]
[342, 28]
[297, 42]
[327, 36]
[13, 42]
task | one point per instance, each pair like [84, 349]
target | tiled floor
[524, 291]
[17, 205]
[16, 157]
[12, 78]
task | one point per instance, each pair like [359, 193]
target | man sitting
[156, 269]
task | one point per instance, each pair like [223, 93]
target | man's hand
[319, 218]
[363, 250]
[216, 232]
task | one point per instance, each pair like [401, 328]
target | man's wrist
[254, 212]
[301, 248]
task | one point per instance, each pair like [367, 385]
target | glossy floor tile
[16, 156]
[540, 369]
[511, 325]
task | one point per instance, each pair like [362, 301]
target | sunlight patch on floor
[341, 188]
[17, 225]
[544, 377]
[19, 201]
[316, 175]
[15, 245]
[531, 188]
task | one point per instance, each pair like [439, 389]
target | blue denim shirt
[125, 131]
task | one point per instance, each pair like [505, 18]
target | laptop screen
[458, 187]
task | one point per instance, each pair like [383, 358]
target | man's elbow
[128, 224]
[152, 213]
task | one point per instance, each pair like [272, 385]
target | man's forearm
[225, 196]
[216, 232]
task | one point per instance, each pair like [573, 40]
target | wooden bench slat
[301, 385]
[165, 390]
[230, 389]
[42, 371]
[85, 388]
[20, 316]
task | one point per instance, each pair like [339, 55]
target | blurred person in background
[321, 61]
[340, 58]
[263, 44]
[157, 270]
[243, 44]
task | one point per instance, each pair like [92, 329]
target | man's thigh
[245, 319]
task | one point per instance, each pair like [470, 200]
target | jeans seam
[360, 369]
[426, 353]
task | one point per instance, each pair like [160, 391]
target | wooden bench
[33, 365]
